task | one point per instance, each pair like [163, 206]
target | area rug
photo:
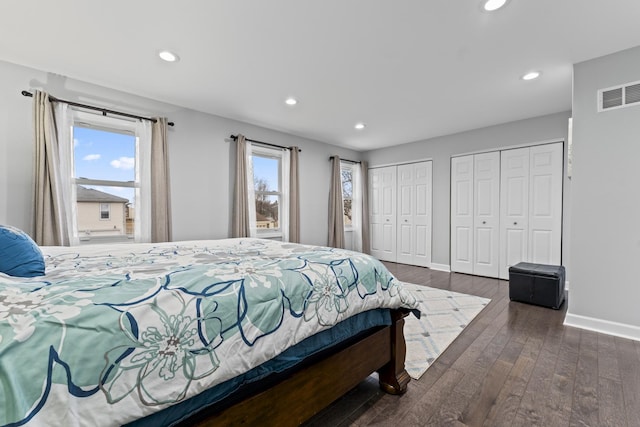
[444, 315]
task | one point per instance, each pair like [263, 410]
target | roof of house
[91, 195]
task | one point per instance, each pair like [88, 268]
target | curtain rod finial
[25, 93]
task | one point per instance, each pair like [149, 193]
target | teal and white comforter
[113, 333]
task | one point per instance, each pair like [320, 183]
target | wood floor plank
[430, 401]
[611, 411]
[515, 364]
[510, 396]
[628, 362]
[585, 392]
[607, 358]
[532, 406]
[483, 402]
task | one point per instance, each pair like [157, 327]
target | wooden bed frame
[303, 394]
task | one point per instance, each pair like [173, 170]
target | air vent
[619, 96]
[612, 98]
[632, 94]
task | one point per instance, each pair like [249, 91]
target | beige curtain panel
[160, 183]
[50, 227]
[364, 174]
[336, 210]
[240, 221]
[294, 197]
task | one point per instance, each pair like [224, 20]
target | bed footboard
[393, 377]
[306, 392]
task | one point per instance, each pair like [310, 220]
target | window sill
[269, 235]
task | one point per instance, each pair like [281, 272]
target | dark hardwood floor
[514, 365]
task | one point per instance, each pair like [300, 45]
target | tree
[347, 193]
[264, 205]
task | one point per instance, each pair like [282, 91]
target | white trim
[408, 162]
[566, 286]
[512, 147]
[603, 326]
[268, 234]
[441, 267]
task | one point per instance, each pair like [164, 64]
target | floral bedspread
[113, 333]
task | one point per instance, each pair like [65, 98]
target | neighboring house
[263, 221]
[101, 214]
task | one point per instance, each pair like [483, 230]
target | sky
[105, 155]
[267, 169]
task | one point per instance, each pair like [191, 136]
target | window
[105, 179]
[268, 192]
[347, 193]
[104, 210]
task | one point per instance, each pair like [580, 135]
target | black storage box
[537, 284]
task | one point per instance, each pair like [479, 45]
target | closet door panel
[423, 244]
[486, 221]
[545, 204]
[542, 247]
[404, 243]
[382, 217]
[406, 204]
[462, 214]
[400, 213]
[422, 211]
[514, 208]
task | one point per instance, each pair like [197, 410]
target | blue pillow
[19, 254]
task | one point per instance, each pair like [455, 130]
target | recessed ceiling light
[168, 56]
[360, 126]
[291, 101]
[491, 5]
[532, 75]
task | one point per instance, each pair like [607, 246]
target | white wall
[201, 157]
[605, 225]
[530, 131]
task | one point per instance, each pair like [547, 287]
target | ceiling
[409, 69]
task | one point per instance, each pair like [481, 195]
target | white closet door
[514, 208]
[382, 215]
[462, 214]
[545, 204]
[406, 207]
[414, 214]
[486, 221]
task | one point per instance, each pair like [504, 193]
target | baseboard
[604, 326]
[441, 267]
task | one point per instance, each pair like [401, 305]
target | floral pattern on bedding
[118, 332]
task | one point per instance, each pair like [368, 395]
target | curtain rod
[91, 107]
[346, 160]
[235, 138]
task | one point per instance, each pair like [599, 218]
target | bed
[209, 332]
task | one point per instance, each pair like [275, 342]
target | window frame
[276, 154]
[118, 125]
[107, 210]
[347, 166]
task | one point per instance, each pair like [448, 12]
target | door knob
[387, 220]
[515, 223]
[406, 220]
[484, 222]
